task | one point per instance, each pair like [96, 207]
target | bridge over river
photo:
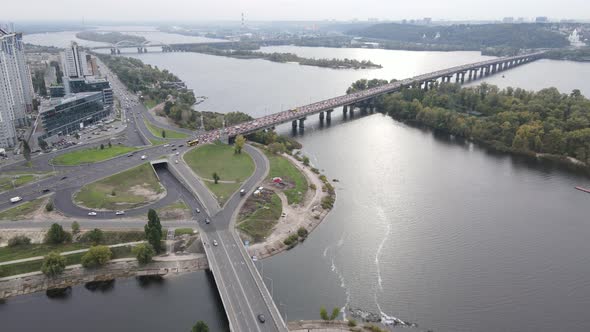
[297, 116]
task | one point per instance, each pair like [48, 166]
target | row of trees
[511, 119]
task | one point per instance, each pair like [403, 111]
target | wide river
[426, 228]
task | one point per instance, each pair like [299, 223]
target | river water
[426, 228]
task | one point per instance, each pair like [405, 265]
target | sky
[267, 10]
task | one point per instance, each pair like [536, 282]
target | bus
[192, 142]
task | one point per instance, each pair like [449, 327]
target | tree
[335, 313]
[110, 144]
[75, 228]
[18, 240]
[324, 313]
[77, 136]
[305, 161]
[102, 146]
[49, 206]
[153, 230]
[96, 256]
[239, 144]
[163, 133]
[53, 264]
[95, 236]
[216, 177]
[200, 327]
[143, 252]
[57, 235]
[276, 148]
[43, 145]
[26, 150]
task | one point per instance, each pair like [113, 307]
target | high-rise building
[16, 92]
[74, 62]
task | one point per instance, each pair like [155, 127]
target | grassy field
[223, 191]
[155, 141]
[22, 178]
[281, 167]
[26, 267]
[22, 210]
[125, 186]
[88, 156]
[157, 131]
[260, 222]
[173, 210]
[32, 250]
[220, 158]
[182, 231]
[149, 104]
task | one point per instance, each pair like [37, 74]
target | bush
[351, 322]
[49, 207]
[96, 256]
[95, 236]
[19, 240]
[183, 231]
[305, 161]
[328, 202]
[75, 228]
[57, 235]
[312, 186]
[315, 170]
[114, 237]
[53, 264]
[292, 240]
[302, 232]
[143, 252]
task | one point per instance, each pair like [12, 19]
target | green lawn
[283, 168]
[155, 141]
[259, 223]
[222, 191]
[149, 104]
[32, 250]
[22, 178]
[182, 231]
[22, 210]
[157, 131]
[26, 267]
[88, 156]
[171, 211]
[220, 158]
[126, 187]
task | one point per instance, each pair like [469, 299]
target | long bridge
[297, 116]
[142, 46]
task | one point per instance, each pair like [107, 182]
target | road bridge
[297, 116]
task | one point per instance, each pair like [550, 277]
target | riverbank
[306, 215]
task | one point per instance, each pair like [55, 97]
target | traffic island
[130, 189]
[220, 161]
[89, 156]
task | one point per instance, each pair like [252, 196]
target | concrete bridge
[142, 47]
[297, 116]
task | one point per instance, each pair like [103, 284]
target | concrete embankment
[318, 326]
[76, 274]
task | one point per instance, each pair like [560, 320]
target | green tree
[95, 236]
[49, 206]
[335, 313]
[324, 313]
[18, 240]
[53, 264]
[110, 144]
[305, 161]
[143, 252]
[26, 150]
[42, 144]
[276, 148]
[101, 146]
[96, 256]
[239, 144]
[163, 133]
[200, 326]
[75, 228]
[57, 235]
[77, 136]
[153, 230]
[216, 177]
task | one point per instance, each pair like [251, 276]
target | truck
[16, 199]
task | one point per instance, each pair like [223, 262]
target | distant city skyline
[267, 10]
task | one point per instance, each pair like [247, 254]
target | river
[426, 228]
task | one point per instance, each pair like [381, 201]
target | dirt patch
[149, 194]
[36, 236]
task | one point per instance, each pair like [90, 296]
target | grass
[22, 178]
[22, 210]
[33, 266]
[89, 156]
[33, 250]
[261, 221]
[167, 211]
[223, 191]
[220, 158]
[155, 141]
[283, 168]
[149, 104]
[98, 195]
[157, 131]
[182, 231]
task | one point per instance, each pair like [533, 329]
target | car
[181, 145]
[207, 221]
[173, 149]
[119, 213]
[143, 157]
[261, 318]
[215, 243]
[176, 161]
[91, 213]
[64, 177]
[166, 145]
[198, 211]
[260, 188]
[130, 155]
[46, 190]
[177, 153]
[242, 192]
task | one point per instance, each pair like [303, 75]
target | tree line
[512, 120]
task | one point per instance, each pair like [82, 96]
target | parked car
[119, 213]
[46, 190]
[92, 213]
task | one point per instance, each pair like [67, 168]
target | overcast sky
[200, 10]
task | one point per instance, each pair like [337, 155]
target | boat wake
[379, 249]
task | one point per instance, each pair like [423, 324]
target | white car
[215, 243]
[177, 153]
[143, 157]
[119, 213]
[166, 145]
[92, 213]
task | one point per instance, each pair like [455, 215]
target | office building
[74, 62]
[16, 92]
[78, 85]
[74, 112]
